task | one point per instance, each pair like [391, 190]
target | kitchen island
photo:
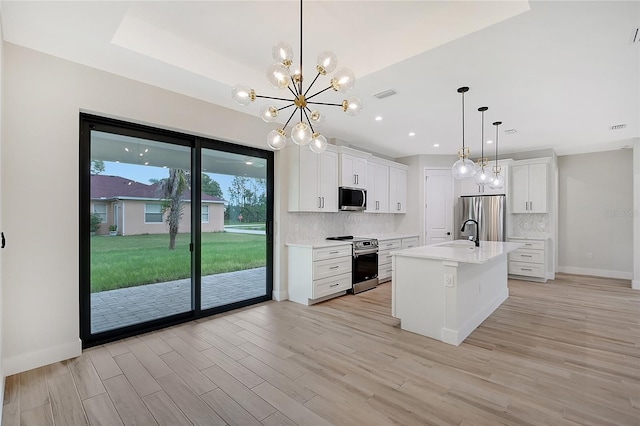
[444, 291]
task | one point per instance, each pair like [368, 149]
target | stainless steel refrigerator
[488, 210]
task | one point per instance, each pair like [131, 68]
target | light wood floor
[562, 353]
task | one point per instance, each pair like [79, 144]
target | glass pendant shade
[278, 76]
[242, 94]
[483, 176]
[352, 106]
[269, 113]
[463, 168]
[276, 139]
[318, 143]
[343, 80]
[327, 62]
[282, 52]
[497, 181]
[301, 134]
[317, 118]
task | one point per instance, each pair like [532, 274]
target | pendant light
[497, 181]
[482, 176]
[463, 168]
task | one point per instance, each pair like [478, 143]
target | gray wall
[596, 213]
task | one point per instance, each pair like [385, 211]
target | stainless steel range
[365, 262]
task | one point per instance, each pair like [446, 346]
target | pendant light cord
[463, 124]
[300, 88]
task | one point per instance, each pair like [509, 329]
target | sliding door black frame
[89, 122]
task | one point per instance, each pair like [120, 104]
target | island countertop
[460, 251]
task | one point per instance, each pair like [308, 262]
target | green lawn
[118, 262]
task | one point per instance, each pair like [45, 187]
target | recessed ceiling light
[489, 141]
[146, 150]
[141, 154]
[412, 134]
[378, 118]
[435, 145]
[146, 163]
[126, 149]
[248, 162]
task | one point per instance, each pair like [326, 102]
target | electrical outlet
[526, 225]
[589, 256]
[448, 280]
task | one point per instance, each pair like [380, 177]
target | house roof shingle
[107, 187]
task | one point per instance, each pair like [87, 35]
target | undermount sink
[459, 244]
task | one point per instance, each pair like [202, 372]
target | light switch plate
[448, 280]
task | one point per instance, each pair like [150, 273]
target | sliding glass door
[160, 242]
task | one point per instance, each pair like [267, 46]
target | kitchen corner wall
[596, 214]
[1, 287]
[317, 226]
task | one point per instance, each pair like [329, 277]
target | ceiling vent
[511, 131]
[618, 126]
[385, 94]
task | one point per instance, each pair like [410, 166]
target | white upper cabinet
[397, 189]
[529, 192]
[313, 179]
[377, 188]
[353, 171]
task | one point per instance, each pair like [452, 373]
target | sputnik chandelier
[281, 76]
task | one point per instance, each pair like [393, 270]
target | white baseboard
[25, 362]
[635, 284]
[279, 296]
[596, 272]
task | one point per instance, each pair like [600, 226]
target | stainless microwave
[352, 199]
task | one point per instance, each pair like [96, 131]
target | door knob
[3, 240]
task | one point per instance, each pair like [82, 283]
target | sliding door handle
[3, 240]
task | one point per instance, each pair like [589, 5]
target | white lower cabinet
[531, 262]
[318, 273]
[385, 247]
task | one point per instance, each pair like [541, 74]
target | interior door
[439, 206]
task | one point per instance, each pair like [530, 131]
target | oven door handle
[365, 252]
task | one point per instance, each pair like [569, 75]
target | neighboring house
[136, 208]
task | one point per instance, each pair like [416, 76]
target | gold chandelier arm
[285, 107]
[311, 85]
[316, 94]
[308, 121]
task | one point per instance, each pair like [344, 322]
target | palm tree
[173, 190]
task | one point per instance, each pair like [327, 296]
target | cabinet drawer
[331, 252]
[331, 267]
[384, 272]
[525, 255]
[389, 245]
[531, 244]
[385, 258]
[330, 285]
[409, 242]
[526, 269]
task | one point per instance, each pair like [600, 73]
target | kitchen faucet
[476, 240]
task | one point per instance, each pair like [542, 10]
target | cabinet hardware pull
[528, 244]
[334, 267]
[334, 285]
[526, 269]
[334, 252]
[389, 270]
[323, 202]
[525, 255]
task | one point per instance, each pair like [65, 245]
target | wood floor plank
[164, 410]
[85, 376]
[196, 410]
[289, 407]
[223, 345]
[233, 367]
[56, 369]
[244, 396]
[104, 363]
[278, 419]
[143, 383]
[193, 356]
[101, 411]
[38, 416]
[33, 389]
[11, 414]
[128, 404]
[284, 366]
[188, 373]
[230, 411]
[12, 389]
[279, 380]
[150, 360]
[156, 343]
[65, 402]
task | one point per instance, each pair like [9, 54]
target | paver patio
[117, 308]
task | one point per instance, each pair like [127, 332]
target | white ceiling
[560, 73]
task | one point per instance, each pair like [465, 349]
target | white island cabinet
[445, 291]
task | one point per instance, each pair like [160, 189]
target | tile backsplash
[531, 225]
[304, 227]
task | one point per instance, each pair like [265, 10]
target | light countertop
[385, 237]
[319, 244]
[460, 251]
